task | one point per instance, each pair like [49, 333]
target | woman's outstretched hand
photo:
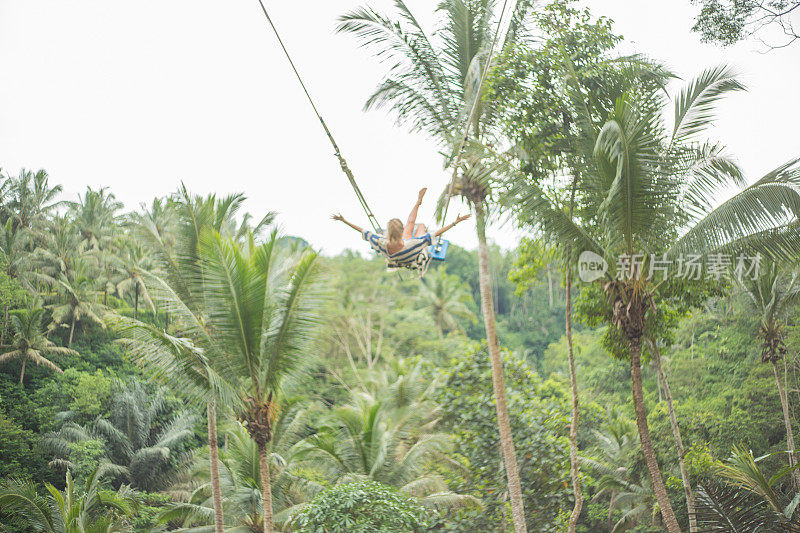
[462, 218]
[338, 217]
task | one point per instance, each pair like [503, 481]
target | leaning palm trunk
[788, 422]
[71, 332]
[573, 380]
[213, 455]
[498, 384]
[573, 426]
[676, 433]
[649, 452]
[5, 326]
[266, 485]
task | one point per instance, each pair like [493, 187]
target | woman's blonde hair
[394, 230]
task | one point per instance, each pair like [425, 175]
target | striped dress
[414, 255]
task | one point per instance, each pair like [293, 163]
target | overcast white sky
[139, 95]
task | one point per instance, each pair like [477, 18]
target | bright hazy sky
[139, 95]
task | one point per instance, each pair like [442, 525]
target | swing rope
[471, 114]
[336, 152]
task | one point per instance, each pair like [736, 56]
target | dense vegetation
[184, 366]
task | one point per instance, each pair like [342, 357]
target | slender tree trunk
[550, 286]
[5, 325]
[136, 304]
[266, 487]
[676, 433]
[22, 372]
[644, 436]
[71, 331]
[611, 509]
[573, 426]
[503, 420]
[575, 473]
[788, 422]
[213, 455]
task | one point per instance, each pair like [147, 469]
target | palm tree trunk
[266, 486]
[644, 436]
[213, 455]
[136, 304]
[676, 433]
[788, 422]
[71, 331]
[22, 372]
[503, 420]
[550, 285]
[5, 325]
[573, 426]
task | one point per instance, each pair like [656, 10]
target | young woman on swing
[404, 246]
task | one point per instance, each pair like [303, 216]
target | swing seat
[438, 250]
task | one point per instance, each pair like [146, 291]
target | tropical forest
[630, 364]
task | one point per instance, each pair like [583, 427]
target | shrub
[363, 507]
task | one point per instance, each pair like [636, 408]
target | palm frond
[694, 107]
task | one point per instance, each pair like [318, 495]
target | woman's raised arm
[450, 226]
[340, 218]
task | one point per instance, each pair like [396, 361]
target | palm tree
[77, 299]
[29, 342]
[32, 199]
[648, 191]
[181, 362]
[240, 478]
[55, 257]
[132, 261]
[161, 219]
[741, 497]
[95, 216]
[263, 309]
[141, 450]
[432, 89]
[16, 262]
[614, 463]
[445, 296]
[386, 436]
[771, 295]
[90, 509]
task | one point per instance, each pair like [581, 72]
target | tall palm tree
[77, 299]
[29, 342]
[431, 88]
[647, 190]
[32, 199]
[263, 309]
[87, 509]
[771, 295]
[15, 245]
[131, 261]
[62, 245]
[181, 362]
[94, 215]
[445, 296]
[16, 262]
